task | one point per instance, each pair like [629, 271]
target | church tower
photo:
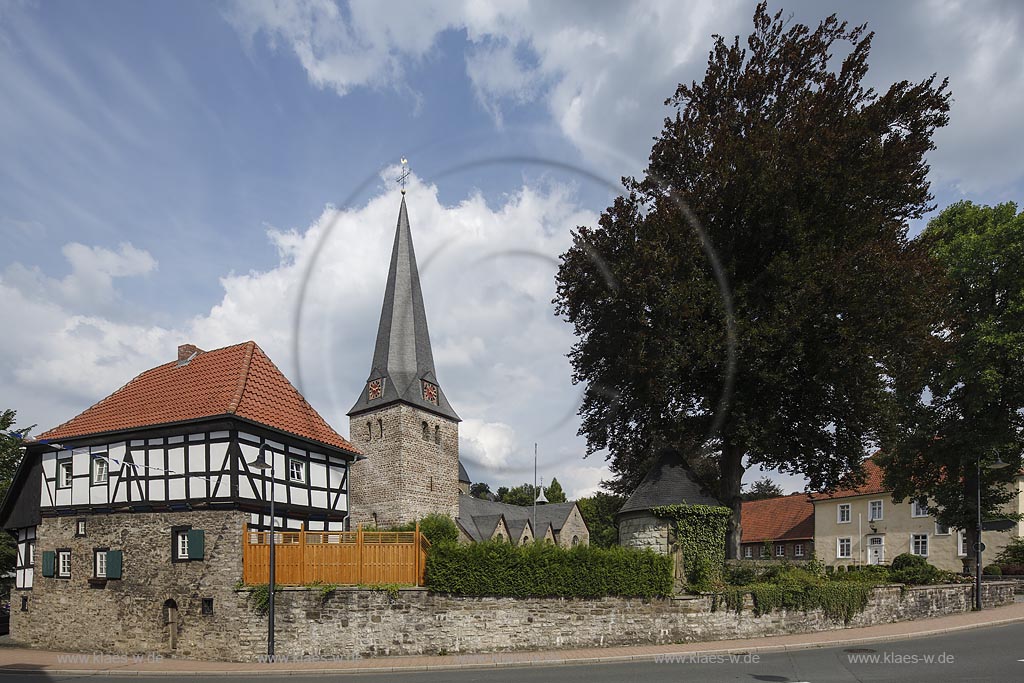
[402, 421]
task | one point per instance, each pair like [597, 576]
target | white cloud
[488, 280]
[90, 284]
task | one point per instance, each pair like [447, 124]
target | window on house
[64, 564]
[30, 550]
[296, 470]
[961, 543]
[798, 550]
[437, 435]
[844, 548]
[207, 608]
[748, 552]
[874, 510]
[64, 474]
[426, 432]
[100, 470]
[843, 513]
[380, 428]
[100, 564]
[575, 540]
[182, 545]
[80, 528]
[780, 550]
[369, 431]
[918, 510]
[941, 529]
[919, 544]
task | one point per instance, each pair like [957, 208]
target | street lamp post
[261, 464]
[979, 547]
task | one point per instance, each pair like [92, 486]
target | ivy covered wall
[700, 535]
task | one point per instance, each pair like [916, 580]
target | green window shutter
[196, 544]
[113, 564]
[49, 558]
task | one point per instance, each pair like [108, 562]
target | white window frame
[798, 550]
[914, 539]
[30, 546]
[100, 471]
[80, 527]
[961, 543]
[839, 513]
[181, 543]
[101, 564]
[64, 564]
[839, 548]
[881, 510]
[918, 511]
[301, 478]
[748, 552]
[938, 526]
[65, 466]
[780, 550]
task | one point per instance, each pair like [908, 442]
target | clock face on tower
[375, 388]
[429, 392]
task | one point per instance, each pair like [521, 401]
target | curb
[413, 668]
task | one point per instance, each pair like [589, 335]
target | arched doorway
[171, 622]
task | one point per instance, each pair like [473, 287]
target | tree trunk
[730, 495]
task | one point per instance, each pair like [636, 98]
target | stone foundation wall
[359, 623]
[127, 615]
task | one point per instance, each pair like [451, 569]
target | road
[984, 654]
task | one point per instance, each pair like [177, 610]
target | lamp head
[260, 463]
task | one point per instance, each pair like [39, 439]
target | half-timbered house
[147, 493]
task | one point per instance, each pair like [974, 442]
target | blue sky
[168, 170]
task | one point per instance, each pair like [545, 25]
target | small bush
[906, 560]
[1013, 553]
[545, 570]
[921, 574]
[872, 574]
[992, 570]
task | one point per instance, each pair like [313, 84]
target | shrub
[917, 574]
[545, 570]
[439, 529]
[798, 589]
[992, 570]
[905, 560]
[873, 574]
[1013, 553]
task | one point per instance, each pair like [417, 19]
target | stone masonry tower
[402, 421]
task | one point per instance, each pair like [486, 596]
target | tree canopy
[599, 512]
[763, 488]
[10, 458]
[969, 402]
[753, 299]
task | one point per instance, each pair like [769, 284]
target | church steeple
[403, 363]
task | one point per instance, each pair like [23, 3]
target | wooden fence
[339, 557]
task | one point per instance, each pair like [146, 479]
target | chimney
[187, 352]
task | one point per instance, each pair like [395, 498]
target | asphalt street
[984, 654]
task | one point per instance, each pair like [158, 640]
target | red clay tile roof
[786, 518]
[872, 484]
[236, 380]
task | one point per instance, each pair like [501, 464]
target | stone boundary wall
[352, 623]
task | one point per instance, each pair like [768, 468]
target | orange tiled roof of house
[236, 380]
[872, 485]
[786, 518]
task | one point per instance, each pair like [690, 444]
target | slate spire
[403, 363]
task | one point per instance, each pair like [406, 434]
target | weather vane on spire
[402, 179]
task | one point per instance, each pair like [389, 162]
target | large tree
[754, 299]
[970, 403]
[599, 512]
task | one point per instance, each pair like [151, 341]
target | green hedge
[793, 588]
[545, 570]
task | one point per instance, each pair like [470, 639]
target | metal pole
[535, 489]
[273, 566]
[977, 546]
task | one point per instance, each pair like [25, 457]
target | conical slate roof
[402, 358]
[668, 482]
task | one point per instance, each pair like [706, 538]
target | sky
[212, 172]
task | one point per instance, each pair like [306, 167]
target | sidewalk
[15, 659]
